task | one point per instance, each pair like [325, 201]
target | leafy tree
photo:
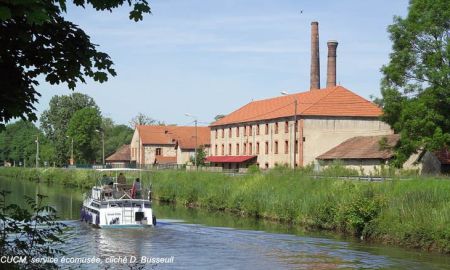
[83, 128]
[142, 119]
[18, 142]
[416, 83]
[115, 136]
[55, 121]
[37, 41]
[201, 156]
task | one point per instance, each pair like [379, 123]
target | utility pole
[71, 162]
[71, 153]
[196, 144]
[196, 138]
[103, 145]
[103, 149]
[295, 134]
[284, 93]
[37, 151]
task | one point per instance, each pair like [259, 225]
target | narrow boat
[112, 203]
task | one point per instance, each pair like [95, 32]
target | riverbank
[411, 213]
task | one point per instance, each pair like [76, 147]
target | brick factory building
[262, 132]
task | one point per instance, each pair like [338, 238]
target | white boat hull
[118, 213]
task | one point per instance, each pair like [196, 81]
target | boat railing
[125, 192]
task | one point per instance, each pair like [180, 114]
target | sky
[211, 57]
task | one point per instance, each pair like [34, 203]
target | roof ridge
[334, 89]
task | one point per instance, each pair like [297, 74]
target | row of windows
[158, 152]
[247, 148]
[248, 130]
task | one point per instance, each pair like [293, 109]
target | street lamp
[71, 151]
[196, 141]
[284, 93]
[103, 145]
[37, 151]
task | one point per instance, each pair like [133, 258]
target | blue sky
[211, 57]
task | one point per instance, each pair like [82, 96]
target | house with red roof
[167, 145]
[120, 158]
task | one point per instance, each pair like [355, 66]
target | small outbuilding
[121, 158]
[363, 153]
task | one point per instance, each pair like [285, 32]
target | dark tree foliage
[84, 128]
[115, 137]
[201, 156]
[55, 121]
[416, 83]
[36, 40]
[18, 144]
[31, 233]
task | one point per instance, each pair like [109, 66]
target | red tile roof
[172, 135]
[229, 159]
[122, 154]
[189, 142]
[165, 160]
[333, 101]
[363, 147]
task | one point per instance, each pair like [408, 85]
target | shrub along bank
[412, 213]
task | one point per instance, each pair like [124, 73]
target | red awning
[229, 159]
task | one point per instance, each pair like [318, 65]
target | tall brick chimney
[331, 65]
[315, 64]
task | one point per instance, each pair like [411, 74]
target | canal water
[198, 239]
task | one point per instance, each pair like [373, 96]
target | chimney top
[331, 63]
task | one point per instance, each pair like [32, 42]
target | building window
[229, 132]
[286, 127]
[257, 148]
[267, 148]
[276, 147]
[215, 151]
[250, 130]
[223, 149]
[266, 165]
[286, 147]
[158, 151]
[223, 132]
[237, 149]
[250, 148]
[216, 131]
[276, 128]
[237, 131]
[267, 129]
[245, 149]
[257, 129]
[296, 146]
[229, 149]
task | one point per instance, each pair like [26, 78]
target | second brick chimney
[331, 65]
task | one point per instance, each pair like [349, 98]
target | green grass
[412, 213]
